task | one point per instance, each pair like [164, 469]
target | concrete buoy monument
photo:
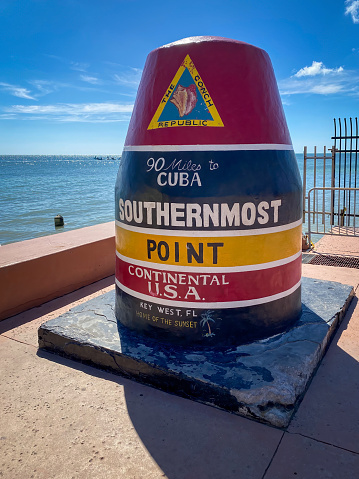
[209, 296]
[208, 199]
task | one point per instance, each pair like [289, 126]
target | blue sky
[70, 69]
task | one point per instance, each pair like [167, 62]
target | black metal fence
[346, 155]
[331, 184]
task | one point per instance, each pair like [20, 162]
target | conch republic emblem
[208, 200]
[188, 94]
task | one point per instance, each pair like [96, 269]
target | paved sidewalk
[338, 245]
[61, 419]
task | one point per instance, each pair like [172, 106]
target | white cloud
[352, 9]
[17, 91]
[317, 68]
[75, 108]
[327, 89]
[45, 87]
[73, 65]
[90, 79]
[7, 116]
[78, 66]
[319, 86]
[39, 88]
[130, 78]
[319, 80]
[72, 112]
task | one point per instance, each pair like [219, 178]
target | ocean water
[34, 189]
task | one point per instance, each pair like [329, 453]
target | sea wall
[38, 270]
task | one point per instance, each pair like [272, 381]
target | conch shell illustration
[185, 99]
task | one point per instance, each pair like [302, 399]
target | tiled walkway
[61, 419]
[338, 245]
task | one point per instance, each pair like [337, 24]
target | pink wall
[38, 270]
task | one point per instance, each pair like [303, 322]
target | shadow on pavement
[190, 440]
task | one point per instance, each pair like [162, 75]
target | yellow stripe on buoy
[219, 251]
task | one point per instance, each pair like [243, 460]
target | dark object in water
[59, 221]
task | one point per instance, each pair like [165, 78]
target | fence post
[315, 184]
[309, 229]
[304, 180]
[332, 185]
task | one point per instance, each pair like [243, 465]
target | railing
[323, 173]
[332, 182]
[346, 151]
[323, 221]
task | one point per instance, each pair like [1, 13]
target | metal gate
[330, 184]
[346, 166]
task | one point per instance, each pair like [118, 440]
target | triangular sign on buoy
[186, 101]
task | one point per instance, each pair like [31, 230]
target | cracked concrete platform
[264, 380]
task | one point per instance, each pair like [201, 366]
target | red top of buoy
[208, 90]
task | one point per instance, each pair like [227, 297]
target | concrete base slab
[264, 380]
